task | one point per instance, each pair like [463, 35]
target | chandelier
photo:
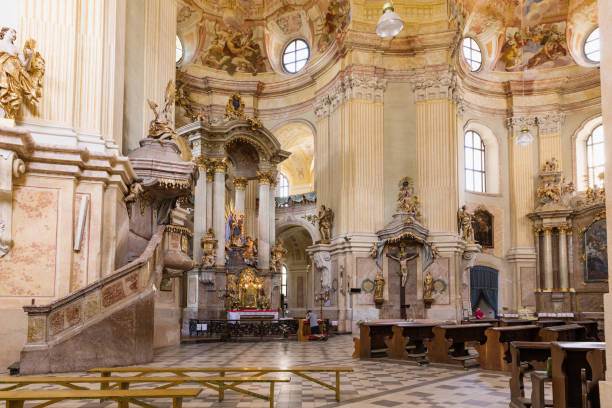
[389, 24]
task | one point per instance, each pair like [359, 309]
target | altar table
[252, 314]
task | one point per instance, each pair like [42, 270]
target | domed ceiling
[298, 139]
[522, 35]
[249, 36]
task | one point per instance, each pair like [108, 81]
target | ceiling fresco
[298, 139]
[248, 36]
[520, 35]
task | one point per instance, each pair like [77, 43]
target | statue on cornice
[407, 201]
[162, 126]
[325, 219]
[277, 252]
[21, 73]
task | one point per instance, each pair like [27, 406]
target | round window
[592, 46]
[296, 56]
[179, 49]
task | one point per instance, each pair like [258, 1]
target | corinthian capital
[516, 123]
[322, 107]
[350, 87]
[550, 123]
[434, 85]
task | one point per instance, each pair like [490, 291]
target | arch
[492, 158]
[286, 122]
[296, 239]
[579, 139]
[285, 222]
[297, 137]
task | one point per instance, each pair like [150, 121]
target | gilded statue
[379, 286]
[373, 251]
[550, 165]
[277, 252]
[162, 126]
[407, 201]
[403, 257]
[250, 288]
[250, 251]
[428, 284]
[21, 74]
[466, 228]
[234, 229]
[232, 293]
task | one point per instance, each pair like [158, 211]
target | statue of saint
[21, 73]
[403, 258]
[325, 218]
[277, 252]
[379, 286]
[232, 292]
[428, 284]
[249, 253]
[162, 125]
[466, 229]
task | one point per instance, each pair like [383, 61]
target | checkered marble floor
[374, 383]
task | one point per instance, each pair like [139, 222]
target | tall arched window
[596, 157]
[474, 150]
[283, 186]
[284, 282]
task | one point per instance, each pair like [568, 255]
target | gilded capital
[264, 177]
[241, 183]
[219, 165]
[201, 162]
[536, 231]
[547, 230]
[210, 174]
[564, 229]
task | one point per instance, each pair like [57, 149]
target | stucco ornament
[21, 74]
[10, 165]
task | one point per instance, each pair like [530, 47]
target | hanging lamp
[389, 24]
[525, 138]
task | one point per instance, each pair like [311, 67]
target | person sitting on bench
[314, 324]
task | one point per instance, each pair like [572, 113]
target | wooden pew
[549, 323]
[526, 357]
[17, 398]
[409, 336]
[301, 371]
[568, 359]
[592, 329]
[107, 383]
[567, 332]
[449, 342]
[514, 322]
[372, 338]
[494, 354]
[494, 322]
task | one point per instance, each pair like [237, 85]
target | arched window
[596, 157]
[179, 49]
[295, 56]
[592, 46]
[472, 54]
[475, 175]
[284, 282]
[283, 186]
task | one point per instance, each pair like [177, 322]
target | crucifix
[403, 257]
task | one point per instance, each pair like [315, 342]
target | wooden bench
[549, 323]
[372, 338]
[409, 336]
[567, 332]
[568, 360]
[527, 356]
[493, 322]
[494, 354]
[592, 329]
[222, 371]
[514, 322]
[449, 342]
[218, 384]
[17, 398]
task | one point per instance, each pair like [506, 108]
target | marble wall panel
[528, 286]
[29, 269]
[589, 302]
[131, 281]
[440, 271]
[112, 294]
[366, 270]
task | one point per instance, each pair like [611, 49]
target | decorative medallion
[234, 108]
[367, 286]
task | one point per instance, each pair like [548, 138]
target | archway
[297, 138]
[298, 286]
[484, 289]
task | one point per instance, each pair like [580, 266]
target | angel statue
[325, 218]
[21, 74]
[464, 220]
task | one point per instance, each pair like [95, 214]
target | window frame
[180, 41]
[295, 61]
[586, 41]
[280, 186]
[475, 172]
[283, 288]
[593, 178]
[470, 59]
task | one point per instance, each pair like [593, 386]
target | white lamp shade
[389, 24]
[524, 138]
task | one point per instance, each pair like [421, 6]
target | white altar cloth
[237, 314]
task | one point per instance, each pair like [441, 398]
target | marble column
[240, 184]
[563, 261]
[536, 233]
[272, 214]
[220, 168]
[263, 235]
[210, 176]
[199, 214]
[547, 257]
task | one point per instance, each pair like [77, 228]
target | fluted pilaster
[549, 137]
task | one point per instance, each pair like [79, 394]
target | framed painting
[594, 251]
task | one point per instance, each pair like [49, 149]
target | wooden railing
[61, 319]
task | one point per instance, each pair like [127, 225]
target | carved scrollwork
[10, 166]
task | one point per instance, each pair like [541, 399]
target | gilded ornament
[379, 286]
[235, 107]
[255, 123]
[250, 252]
[407, 201]
[240, 183]
[403, 257]
[428, 283]
[277, 253]
[466, 229]
[21, 74]
[325, 219]
[208, 244]
[264, 177]
[219, 165]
